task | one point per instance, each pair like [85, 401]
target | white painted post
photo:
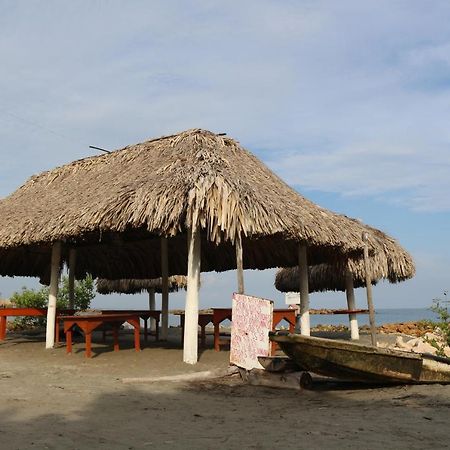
[72, 265]
[373, 329]
[239, 264]
[152, 307]
[351, 304]
[165, 290]
[54, 280]
[191, 309]
[303, 323]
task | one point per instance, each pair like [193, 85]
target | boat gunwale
[341, 345]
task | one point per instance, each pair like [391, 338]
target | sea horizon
[382, 316]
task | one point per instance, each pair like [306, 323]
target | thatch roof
[114, 207]
[391, 262]
[323, 277]
[134, 286]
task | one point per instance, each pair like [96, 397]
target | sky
[348, 102]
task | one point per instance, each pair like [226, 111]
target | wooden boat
[357, 362]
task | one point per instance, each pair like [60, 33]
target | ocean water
[382, 316]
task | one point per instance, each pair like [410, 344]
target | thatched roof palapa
[133, 286]
[114, 207]
[391, 262]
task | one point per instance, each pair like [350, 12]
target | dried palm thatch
[114, 207]
[323, 277]
[133, 286]
[391, 262]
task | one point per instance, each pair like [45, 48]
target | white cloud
[410, 176]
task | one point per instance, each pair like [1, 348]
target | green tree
[84, 293]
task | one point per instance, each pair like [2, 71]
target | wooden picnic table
[144, 314]
[88, 323]
[28, 312]
[204, 318]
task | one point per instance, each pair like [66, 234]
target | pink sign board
[252, 321]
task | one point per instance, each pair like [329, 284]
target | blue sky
[348, 101]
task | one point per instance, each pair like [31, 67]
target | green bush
[30, 298]
[444, 316]
[442, 324]
[84, 293]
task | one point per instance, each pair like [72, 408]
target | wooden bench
[88, 323]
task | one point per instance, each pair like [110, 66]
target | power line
[42, 127]
[49, 130]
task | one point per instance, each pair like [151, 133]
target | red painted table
[144, 314]
[88, 323]
[204, 318]
[29, 312]
[219, 315]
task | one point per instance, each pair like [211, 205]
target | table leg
[157, 330]
[88, 338]
[145, 329]
[137, 337]
[182, 330]
[56, 330]
[115, 332]
[69, 341]
[3, 320]
[216, 337]
[203, 336]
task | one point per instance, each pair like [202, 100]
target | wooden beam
[152, 307]
[53, 293]
[351, 304]
[165, 290]
[72, 266]
[239, 264]
[190, 350]
[373, 328]
[303, 319]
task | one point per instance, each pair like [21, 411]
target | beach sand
[51, 400]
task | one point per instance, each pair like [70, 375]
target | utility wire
[49, 130]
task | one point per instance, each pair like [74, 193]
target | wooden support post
[351, 305]
[373, 329]
[72, 266]
[54, 281]
[303, 318]
[190, 348]
[152, 307]
[165, 289]
[239, 264]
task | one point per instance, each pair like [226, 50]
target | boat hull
[356, 362]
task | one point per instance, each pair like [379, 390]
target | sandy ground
[51, 400]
